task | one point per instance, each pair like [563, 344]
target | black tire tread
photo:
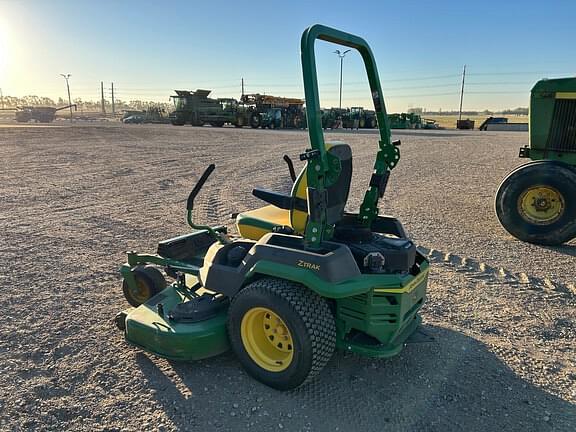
[517, 175]
[313, 310]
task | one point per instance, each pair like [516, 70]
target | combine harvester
[536, 202]
[197, 109]
[303, 277]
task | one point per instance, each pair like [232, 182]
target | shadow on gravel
[453, 384]
[566, 249]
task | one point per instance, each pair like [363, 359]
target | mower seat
[254, 224]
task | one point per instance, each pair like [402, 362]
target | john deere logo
[308, 265]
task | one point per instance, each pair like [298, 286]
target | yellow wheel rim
[142, 291]
[267, 339]
[541, 205]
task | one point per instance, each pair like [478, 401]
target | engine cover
[384, 254]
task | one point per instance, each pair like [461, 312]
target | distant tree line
[515, 111]
[82, 105]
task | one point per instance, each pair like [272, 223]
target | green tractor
[198, 109]
[303, 277]
[536, 202]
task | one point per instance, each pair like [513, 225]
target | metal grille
[562, 137]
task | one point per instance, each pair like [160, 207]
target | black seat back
[339, 191]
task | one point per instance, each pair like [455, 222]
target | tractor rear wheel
[535, 203]
[255, 120]
[149, 282]
[282, 333]
[239, 122]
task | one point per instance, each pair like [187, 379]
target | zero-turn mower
[536, 202]
[303, 277]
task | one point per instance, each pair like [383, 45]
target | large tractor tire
[149, 282]
[361, 123]
[536, 203]
[239, 122]
[282, 333]
[371, 123]
[217, 124]
[255, 120]
[177, 123]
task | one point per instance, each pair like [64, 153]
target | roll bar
[319, 166]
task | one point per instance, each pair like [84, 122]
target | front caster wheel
[282, 333]
[149, 282]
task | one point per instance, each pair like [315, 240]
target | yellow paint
[251, 232]
[143, 291]
[299, 219]
[541, 205]
[268, 214]
[566, 95]
[267, 339]
[407, 288]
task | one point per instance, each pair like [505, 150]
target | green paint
[543, 101]
[319, 168]
[148, 330]
[383, 306]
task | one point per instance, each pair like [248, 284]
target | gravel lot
[73, 199]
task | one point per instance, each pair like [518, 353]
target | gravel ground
[75, 198]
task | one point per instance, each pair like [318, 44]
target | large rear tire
[536, 203]
[255, 120]
[282, 333]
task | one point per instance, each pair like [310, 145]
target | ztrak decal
[308, 265]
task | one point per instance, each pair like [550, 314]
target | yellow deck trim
[406, 289]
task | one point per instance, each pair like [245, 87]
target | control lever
[192, 196]
[290, 167]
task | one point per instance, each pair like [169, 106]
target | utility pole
[242, 97]
[102, 95]
[2, 98]
[66, 77]
[113, 107]
[462, 93]
[341, 55]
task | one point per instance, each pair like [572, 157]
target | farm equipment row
[273, 112]
[40, 114]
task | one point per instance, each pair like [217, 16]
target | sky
[150, 48]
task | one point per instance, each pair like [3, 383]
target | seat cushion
[254, 224]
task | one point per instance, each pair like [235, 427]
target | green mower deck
[156, 333]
